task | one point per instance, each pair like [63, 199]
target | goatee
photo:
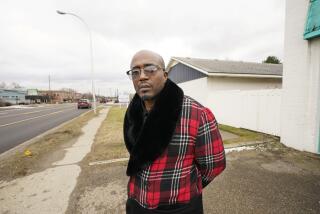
[146, 97]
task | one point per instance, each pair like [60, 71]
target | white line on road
[12, 108]
[12, 115]
[16, 109]
[20, 121]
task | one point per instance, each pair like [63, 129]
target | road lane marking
[12, 115]
[32, 107]
[16, 109]
[20, 121]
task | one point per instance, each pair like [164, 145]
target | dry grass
[246, 135]
[19, 164]
[108, 142]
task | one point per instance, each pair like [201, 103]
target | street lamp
[91, 54]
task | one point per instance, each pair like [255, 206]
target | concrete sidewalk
[48, 191]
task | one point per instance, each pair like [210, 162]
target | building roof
[213, 67]
[2, 90]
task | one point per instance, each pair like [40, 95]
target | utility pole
[49, 83]
[49, 92]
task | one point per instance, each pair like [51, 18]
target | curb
[23, 145]
[251, 143]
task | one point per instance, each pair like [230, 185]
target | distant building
[60, 96]
[241, 94]
[123, 98]
[32, 92]
[199, 76]
[12, 96]
[33, 96]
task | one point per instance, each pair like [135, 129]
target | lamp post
[91, 55]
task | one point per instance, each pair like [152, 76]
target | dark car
[103, 100]
[84, 103]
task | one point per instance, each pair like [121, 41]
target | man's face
[148, 86]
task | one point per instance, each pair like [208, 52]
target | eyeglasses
[148, 70]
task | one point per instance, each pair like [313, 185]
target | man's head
[151, 80]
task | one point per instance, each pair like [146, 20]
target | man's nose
[143, 75]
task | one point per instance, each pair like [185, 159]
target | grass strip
[245, 135]
[29, 159]
[108, 143]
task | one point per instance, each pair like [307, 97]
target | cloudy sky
[36, 42]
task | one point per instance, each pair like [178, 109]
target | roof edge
[245, 75]
[171, 64]
[182, 62]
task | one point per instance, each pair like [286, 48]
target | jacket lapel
[146, 142]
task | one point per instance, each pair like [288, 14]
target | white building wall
[301, 79]
[197, 89]
[241, 83]
[250, 103]
[257, 110]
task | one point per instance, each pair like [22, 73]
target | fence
[257, 110]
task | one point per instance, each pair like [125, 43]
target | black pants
[194, 207]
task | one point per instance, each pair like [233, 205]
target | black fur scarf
[147, 142]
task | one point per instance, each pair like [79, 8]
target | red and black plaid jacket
[193, 158]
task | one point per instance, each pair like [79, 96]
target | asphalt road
[20, 125]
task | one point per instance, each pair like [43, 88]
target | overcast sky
[36, 42]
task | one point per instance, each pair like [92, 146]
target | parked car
[84, 103]
[103, 100]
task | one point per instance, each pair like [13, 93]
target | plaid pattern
[193, 158]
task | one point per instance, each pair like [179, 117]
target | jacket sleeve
[209, 150]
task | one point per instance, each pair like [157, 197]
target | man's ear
[165, 74]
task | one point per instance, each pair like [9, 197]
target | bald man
[174, 143]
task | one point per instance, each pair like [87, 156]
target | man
[174, 143]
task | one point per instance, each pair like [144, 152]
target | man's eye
[135, 72]
[150, 68]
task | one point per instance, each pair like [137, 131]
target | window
[312, 28]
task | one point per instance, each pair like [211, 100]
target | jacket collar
[147, 141]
